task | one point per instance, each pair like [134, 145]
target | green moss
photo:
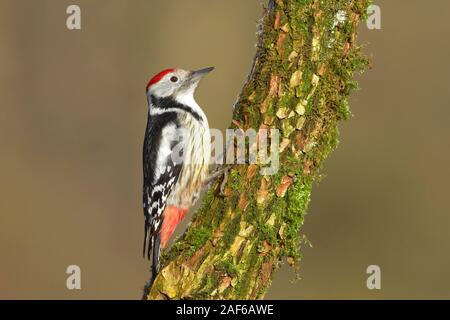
[231, 231]
[227, 266]
[209, 284]
[251, 264]
[268, 233]
[234, 179]
[298, 198]
[278, 206]
[197, 237]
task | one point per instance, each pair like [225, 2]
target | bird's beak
[198, 74]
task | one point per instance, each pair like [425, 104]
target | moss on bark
[300, 82]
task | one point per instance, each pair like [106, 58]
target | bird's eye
[174, 79]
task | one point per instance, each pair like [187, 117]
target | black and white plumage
[158, 181]
[176, 155]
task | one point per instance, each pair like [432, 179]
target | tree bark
[299, 83]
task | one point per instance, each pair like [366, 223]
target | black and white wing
[161, 172]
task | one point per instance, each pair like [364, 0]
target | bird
[176, 155]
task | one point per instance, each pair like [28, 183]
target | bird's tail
[147, 240]
[156, 253]
[152, 245]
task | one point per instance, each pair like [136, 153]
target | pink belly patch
[172, 217]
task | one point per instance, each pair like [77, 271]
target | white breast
[197, 154]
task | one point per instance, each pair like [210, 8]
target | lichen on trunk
[300, 82]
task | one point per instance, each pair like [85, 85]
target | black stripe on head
[168, 102]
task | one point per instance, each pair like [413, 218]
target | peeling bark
[300, 82]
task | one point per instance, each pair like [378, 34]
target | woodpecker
[176, 155]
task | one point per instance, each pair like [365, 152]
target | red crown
[158, 77]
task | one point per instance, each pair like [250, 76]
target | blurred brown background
[72, 119]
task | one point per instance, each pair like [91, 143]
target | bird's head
[175, 82]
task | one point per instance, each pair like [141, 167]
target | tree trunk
[300, 82]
